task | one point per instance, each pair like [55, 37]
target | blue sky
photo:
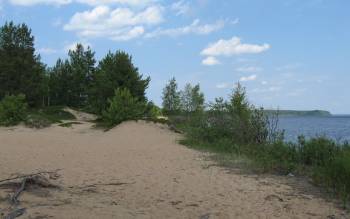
[291, 54]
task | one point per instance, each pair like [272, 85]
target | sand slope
[137, 170]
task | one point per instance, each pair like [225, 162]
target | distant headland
[300, 112]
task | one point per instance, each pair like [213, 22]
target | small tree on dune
[171, 98]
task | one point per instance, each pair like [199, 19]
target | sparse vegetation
[236, 130]
[116, 91]
[45, 116]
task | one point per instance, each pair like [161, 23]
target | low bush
[152, 111]
[13, 110]
[335, 175]
[317, 151]
[122, 107]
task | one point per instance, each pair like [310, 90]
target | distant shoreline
[321, 113]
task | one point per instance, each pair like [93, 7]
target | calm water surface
[335, 127]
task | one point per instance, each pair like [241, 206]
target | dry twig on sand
[52, 175]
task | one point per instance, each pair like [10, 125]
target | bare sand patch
[138, 170]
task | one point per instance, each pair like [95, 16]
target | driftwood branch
[29, 175]
[15, 213]
[14, 198]
[23, 182]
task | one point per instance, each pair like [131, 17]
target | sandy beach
[138, 170]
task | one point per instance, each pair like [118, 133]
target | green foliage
[12, 110]
[152, 111]
[240, 113]
[21, 71]
[60, 83]
[191, 99]
[238, 129]
[122, 107]
[45, 116]
[171, 98]
[70, 80]
[236, 120]
[114, 71]
[277, 157]
[82, 68]
[74, 82]
[317, 151]
[337, 175]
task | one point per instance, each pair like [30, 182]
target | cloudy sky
[291, 54]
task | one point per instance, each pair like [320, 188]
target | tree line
[77, 81]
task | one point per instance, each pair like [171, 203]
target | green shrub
[152, 111]
[277, 157]
[336, 175]
[317, 151]
[122, 107]
[12, 110]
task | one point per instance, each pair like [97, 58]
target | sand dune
[137, 170]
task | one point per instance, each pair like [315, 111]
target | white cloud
[118, 24]
[89, 2]
[210, 61]
[248, 78]
[46, 50]
[181, 7]
[224, 85]
[264, 82]
[108, 2]
[128, 34]
[233, 46]
[35, 2]
[250, 69]
[271, 89]
[194, 28]
[288, 67]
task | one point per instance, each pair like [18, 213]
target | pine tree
[114, 71]
[21, 71]
[60, 84]
[82, 67]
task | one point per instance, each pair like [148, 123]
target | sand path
[137, 170]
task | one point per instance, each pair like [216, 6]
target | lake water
[335, 127]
